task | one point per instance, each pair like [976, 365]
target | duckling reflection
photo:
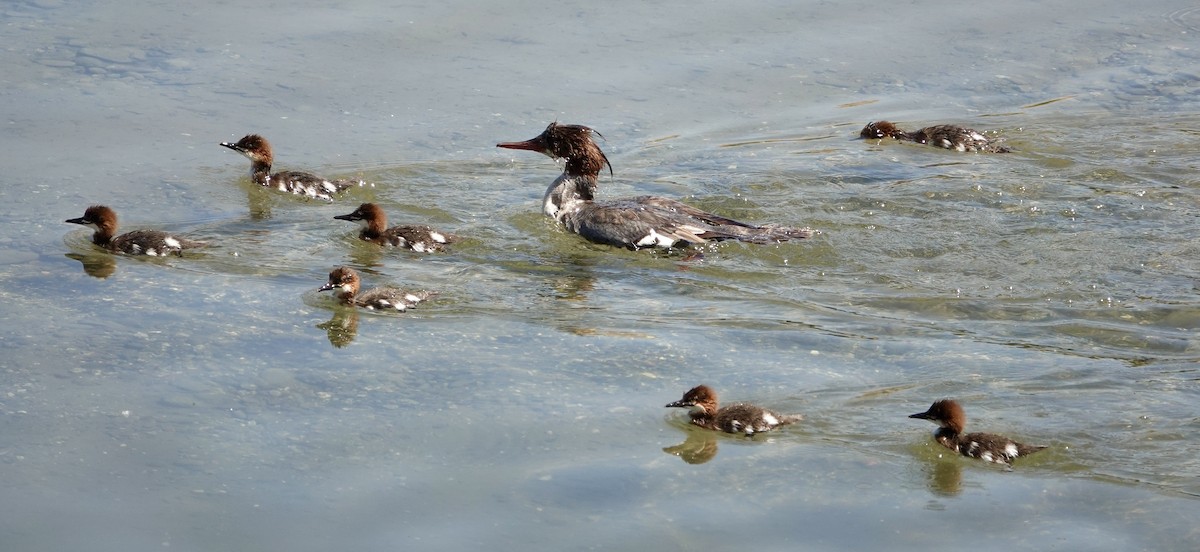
[342, 328]
[366, 254]
[96, 266]
[698, 448]
[944, 476]
[258, 202]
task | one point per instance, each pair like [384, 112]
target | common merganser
[419, 238]
[951, 420]
[735, 418]
[942, 136]
[139, 242]
[636, 222]
[258, 150]
[346, 281]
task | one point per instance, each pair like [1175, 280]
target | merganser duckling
[942, 136]
[421, 239]
[139, 242]
[637, 222]
[951, 420]
[258, 150]
[735, 418]
[346, 281]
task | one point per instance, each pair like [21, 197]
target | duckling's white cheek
[437, 237]
[770, 420]
[1011, 450]
[173, 243]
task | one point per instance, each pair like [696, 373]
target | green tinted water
[218, 401]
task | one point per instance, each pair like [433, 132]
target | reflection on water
[96, 265]
[1056, 286]
[699, 447]
[342, 328]
[945, 476]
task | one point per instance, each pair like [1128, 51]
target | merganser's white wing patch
[655, 239]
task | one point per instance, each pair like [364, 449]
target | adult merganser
[951, 420]
[139, 242]
[735, 418]
[942, 136]
[258, 150]
[636, 222]
[346, 281]
[421, 239]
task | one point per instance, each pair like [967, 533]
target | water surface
[216, 401]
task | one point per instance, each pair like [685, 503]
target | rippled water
[216, 401]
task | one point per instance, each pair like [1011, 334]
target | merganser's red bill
[534, 144]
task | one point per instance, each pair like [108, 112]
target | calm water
[216, 402]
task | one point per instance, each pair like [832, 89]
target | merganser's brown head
[699, 398]
[254, 147]
[342, 278]
[945, 413]
[876, 130]
[366, 214]
[98, 217]
[571, 142]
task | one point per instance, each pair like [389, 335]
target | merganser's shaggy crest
[951, 420]
[735, 418]
[421, 239]
[346, 281]
[636, 222]
[139, 242]
[942, 136]
[258, 150]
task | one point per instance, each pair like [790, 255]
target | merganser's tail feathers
[344, 184]
[685, 209]
[724, 228]
[776, 234]
[191, 244]
[1025, 450]
[790, 419]
[757, 234]
[422, 295]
